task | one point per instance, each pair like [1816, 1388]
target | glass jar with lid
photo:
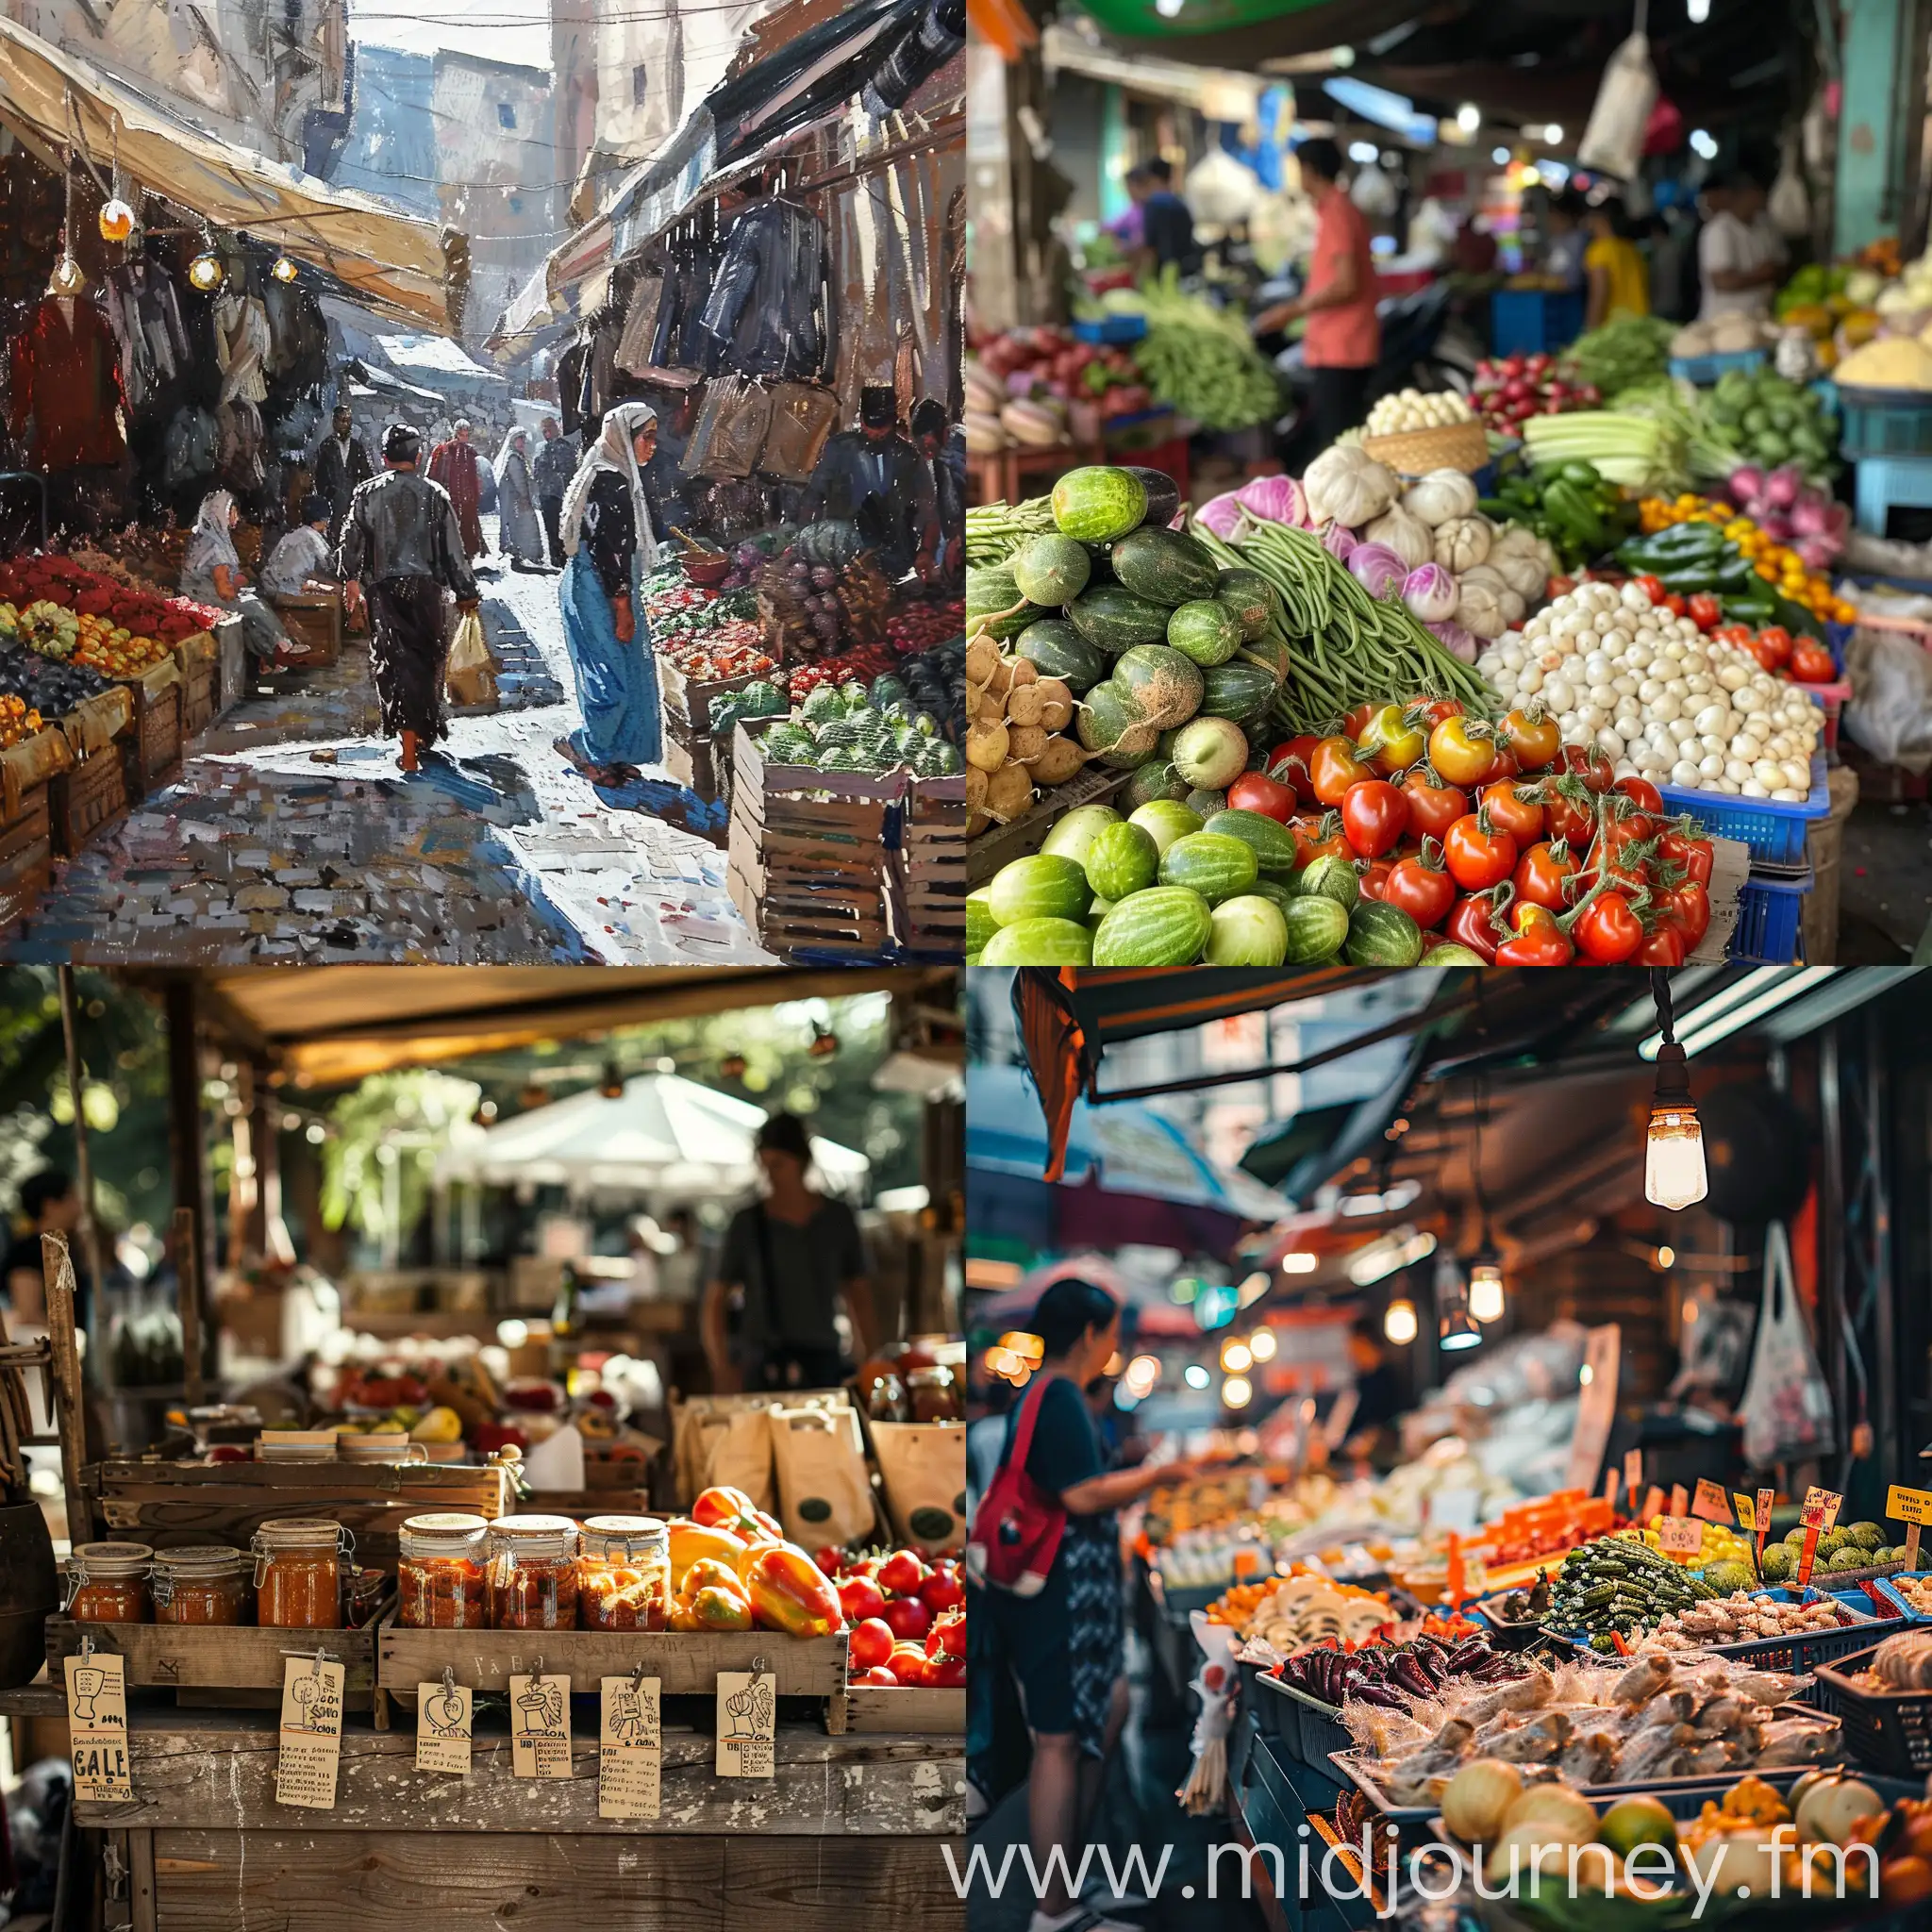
[298, 1573]
[532, 1572]
[110, 1583]
[623, 1574]
[440, 1573]
[932, 1394]
[201, 1583]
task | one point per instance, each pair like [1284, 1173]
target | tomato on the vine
[1683, 847]
[1288, 764]
[1643, 793]
[1323, 839]
[1590, 763]
[1462, 751]
[1375, 815]
[1257, 791]
[1532, 734]
[1812, 663]
[1334, 765]
[1391, 741]
[1470, 924]
[1537, 940]
[1420, 885]
[1684, 905]
[1477, 854]
[1542, 873]
[1517, 809]
[1607, 930]
[1371, 876]
[1663, 945]
[1429, 711]
[1433, 807]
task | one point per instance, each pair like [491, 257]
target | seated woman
[211, 573]
[303, 563]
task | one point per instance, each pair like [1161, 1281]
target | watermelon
[1163, 684]
[1040, 942]
[992, 593]
[1099, 503]
[1247, 931]
[1107, 721]
[1275, 850]
[1206, 630]
[1071, 836]
[1122, 860]
[1167, 819]
[1272, 653]
[1236, 690]
[1381, 934]
[1165, 925]
[980, 924]
[1450, 953]
[1056, 649]
[1051, 570]
[1247, 593]
[1168, 566]
[1111, 617]
[1156, 778]
[1163, 494]
[1332, 877]
[1203, 804]
[1211, 863]
[1042, 886]
[1317, 929]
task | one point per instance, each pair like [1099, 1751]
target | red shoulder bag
[1018, 1525]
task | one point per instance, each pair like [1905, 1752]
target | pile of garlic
[1659, 696]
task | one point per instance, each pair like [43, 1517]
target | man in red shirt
[1343, 336]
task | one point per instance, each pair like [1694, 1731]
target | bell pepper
[720, 1609]
[709, 1573]
[789, 1592]
[688, 1541]
[721, 1507]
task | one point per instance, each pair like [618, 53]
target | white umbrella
[667, 1135]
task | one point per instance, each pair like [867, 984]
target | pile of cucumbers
[1570, 505]
[1618, 1585]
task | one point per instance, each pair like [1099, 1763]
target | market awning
[55, 102]
[432, 362]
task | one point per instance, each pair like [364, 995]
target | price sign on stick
[1913, 1507]
[1747, 1510]
[1633, 1473]
[1827, 1502]
[97, 1728]
[1710, 1502]
[1681, 1536]
[1653, 1504]
[1680, 1500]
[1813, 1517]
[1610, 1483]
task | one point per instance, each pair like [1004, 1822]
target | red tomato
[1738, 634]
[1429, 711]
[1607, 932]
[1515, 808]
[1685, 908]
[900, 1573]
[1532, 734]
[869, 1643]
[1355, 722]
[1420, 885]
[1371, 876]
[1705, 612]
[1589, 763]
[907, 1665]
[1461, 752]
[859, 1597]
[1375, 815]
[1391, 740]
[1469, 924]
[1478, 853]
[907, 1618]
[1433, 807]
[878, 1675]
[1289, 764]
[1652, 588]
[1323, 839]
[1683, 847]
[1673, 604]
[1774, 647]
[1508, 764]
[1811, 662]
[1544, 944]
[1334, 765]
[829, 1558]
[1257, 791]
[947, 1637]
[1663, 945]
[1542, 873]
[945, 1673]
[942, 1591]
[1647, 796]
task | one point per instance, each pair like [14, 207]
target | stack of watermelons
[1173, 658]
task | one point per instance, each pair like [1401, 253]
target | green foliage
[379, 1163]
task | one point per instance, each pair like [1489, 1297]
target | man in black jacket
[339, 466]
[556, 464]
[875, 477]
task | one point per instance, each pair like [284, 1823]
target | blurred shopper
[1564, 240]
[1615, 272]
[1740, 254]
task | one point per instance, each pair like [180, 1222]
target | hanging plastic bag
[1787, 1408]
[471, 675]
[1613, 141]
[1787, 205]
[1891, 711]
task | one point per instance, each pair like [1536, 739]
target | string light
[1399, 1324]
[1235, 1356]
[1673, 1172]
[1261, 1344]
[1236, 1393]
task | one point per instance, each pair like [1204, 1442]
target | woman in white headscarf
[609, 543]
[520, 528]
[211, 573]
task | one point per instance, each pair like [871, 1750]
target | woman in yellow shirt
[1617, 276]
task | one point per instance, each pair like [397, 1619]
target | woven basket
[1464, 446]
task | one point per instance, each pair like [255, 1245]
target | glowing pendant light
[1399, 1323]
[1486, 1285]
[116, 220]
[1673, 1172]
[205, 271]
[1454, 1329]
[284, 269]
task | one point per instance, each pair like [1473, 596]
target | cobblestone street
[292, 837]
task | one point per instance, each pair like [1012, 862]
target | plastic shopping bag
[471, 675]
[1787, 1408]
[1613, 141]
[1890, 713]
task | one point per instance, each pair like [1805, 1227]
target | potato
[992, 710]
[982, 655]
[1001, 682]
[986, 746]
[1025, 704]
[1059, 760]
[1025, 743]
[976, 782]
[1025, 671]
[1055, 704]
[1009, 792]
[976, 822]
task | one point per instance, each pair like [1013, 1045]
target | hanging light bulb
[1261, 1344]
[1236, 1357]
[116, 220]
[1673, 1173]
[1486, 1289]
[205, 271]
[67, 277]
[1454, 1329]
[285, 269]
[1399, 1323]
[1237, 1392]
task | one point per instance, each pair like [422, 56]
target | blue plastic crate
[1529, 322]
[1770, 912]
[1886, 1586]
[1837, 636]
[1111, 329]
[1773, 829]
[1706, 369]
[1885, 423]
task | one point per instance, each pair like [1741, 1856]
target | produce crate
[232, 656]
[1527, 322]
[691, 761]
[1773, 830]
[26, 822]
[909, 1707]
[998, 845]
[1111, 329]
[1703, 370]
[928, 899]
[1885, 423]
[165, 1504]
[200, 659]
[314, 624]
[1891, 1731]
[811, 851]
[96, 722]
[1770, 912]
[153, 748]
[88, 799]
[688, 700]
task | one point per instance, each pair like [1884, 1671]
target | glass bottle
[298, 1573]
[201, 1583]
[532, 1574]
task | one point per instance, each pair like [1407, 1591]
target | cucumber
[1317, 929]
[1166, 925]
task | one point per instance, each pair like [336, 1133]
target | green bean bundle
[995, 530]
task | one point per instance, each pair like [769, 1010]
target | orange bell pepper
[711, 1573]
[789, 1592]
[716, 1609]
[691, 1540]
[741, 1559]
[723, 1507]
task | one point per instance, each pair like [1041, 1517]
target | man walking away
[340, 465]
[556, 464]
[457, 466]
[402, 548]
[1167, 224]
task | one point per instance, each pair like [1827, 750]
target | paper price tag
[1908, 1505]
[1610, 1482]
[1680, 1500]
[747, 1725]
[444, 1717]
[312, 1734]
[1653, 1504]
[1826, 1501]
[1681, 1536]
[1710, 1502]
[1765, 1499]
[630, 1748]
[1633, 1471]
[540, 1726]
[1747, 1510]
[97, 1728]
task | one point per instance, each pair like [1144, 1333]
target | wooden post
[84, 1174]
[188, 1300]
[184, 1119]
[57, 1268]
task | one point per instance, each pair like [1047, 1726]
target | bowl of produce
[707, 568]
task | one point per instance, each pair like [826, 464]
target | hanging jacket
[188, 447]
[771, 309]
[242, 348]
[66, 382]
[146, 320]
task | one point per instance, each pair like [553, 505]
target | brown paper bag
[825, 1489]
[471, 674]
[923, 1468]
[723, 1439]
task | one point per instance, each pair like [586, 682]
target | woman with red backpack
[1046, 1547]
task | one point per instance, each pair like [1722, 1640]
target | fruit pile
[907, 1619]
[18, 723]
[59, 580]
[918, 626]
[1856, 1546]
[48, 685]
[1774, 563]
[736, 649]
[1509, 389]
[851, 729]
[1018, 384]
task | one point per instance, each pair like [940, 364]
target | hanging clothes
[146, 316]
[570, 385]
[66, 388]
[641, 324]
[188, 451]
[242, 347]
[770, 309]
[298, 335]
[239, 446]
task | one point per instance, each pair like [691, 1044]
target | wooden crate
[200, 659]
[997, 845]
[688, 700]
[314, 624]
[929, 871]
[811, 851]
[169, 1503]
[87, 800]
[236, 669]
[911, 1708]
[691, 761]
[153, 748]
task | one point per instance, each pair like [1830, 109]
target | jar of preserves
[440, 1573]
[932, 1394]
[298, 1573]
[623, 1574]
[110, 1584]
[532, 1574]
[201, 1583]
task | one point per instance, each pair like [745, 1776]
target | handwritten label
[444, 1717]
[1653, 1504]
[1765, 1499]
[1633, 1471]
[1827, 1502]
[1709, 1503]
[1747, 1510]
[312, 1734]
[630, 1748]
[1908, 1505]
[1680, 1500]
[1681, 1536]
[747, 1725]
[540, 1726]
[97, 1726]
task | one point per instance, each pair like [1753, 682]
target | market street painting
[482, 493]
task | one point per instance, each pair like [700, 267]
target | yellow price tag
[1747, 1513]
[1908, 1505]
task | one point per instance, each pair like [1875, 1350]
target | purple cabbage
[1454, 639]
[1339, 540]
[1377, 569]
[1222, 514]
[1430, 593]
[1275, 500]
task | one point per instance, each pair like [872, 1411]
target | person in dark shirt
[49, 1204]
[1166, 225]
[793, 1257]
[945, 453]
[1378, 1390]
[555, 464]
[875, 477]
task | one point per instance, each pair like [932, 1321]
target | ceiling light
[1457, 1331]
[1403, 1249]
[1261, 1344]
[1469, 117]
[1235, 1356]
[1364, 154]
[1673, 1175]
[1486, 1289]
[1701, 142]
[1697, 11]
[1666, 1257]
[205, 271]
[1236, 1393]
[1300, 1263]
[1399, 1324]
[1195, 1375]
[1762, 991]
[284, 269]
[1554, 134]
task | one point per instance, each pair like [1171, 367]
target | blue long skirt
[617, 683]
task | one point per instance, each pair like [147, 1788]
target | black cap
[785, 1133]
[401, 445]
[878, 408]
[928, 417]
